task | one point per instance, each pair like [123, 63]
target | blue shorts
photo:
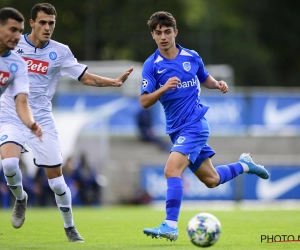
[192, 141]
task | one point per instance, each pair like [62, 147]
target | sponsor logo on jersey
[20, 51]
[4, 76]
[186, 84]
[145, 83]
[37, 66]
[52, 55]
[13, 67]
[3, 137]
[187, 66]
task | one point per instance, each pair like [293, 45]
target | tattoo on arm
[97, 83]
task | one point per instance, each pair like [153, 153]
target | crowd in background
[79, 175]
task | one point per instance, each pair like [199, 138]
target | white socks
[13, 176]
[63, 199]
[172, 223]
[245, 167]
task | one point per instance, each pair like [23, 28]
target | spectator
[4, 192]
[42, 192]
[69, 175]
[85, 175]
[145, 125]
[27, 182]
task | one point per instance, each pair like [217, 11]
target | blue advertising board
[275, 112]
[230, 114]
[153, 181]
[284, 183]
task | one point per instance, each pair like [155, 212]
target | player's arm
[212, 83]
[100, 81]
[25, 114]
[148, 100]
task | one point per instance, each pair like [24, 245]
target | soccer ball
[204, 230]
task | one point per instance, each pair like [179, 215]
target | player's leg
[63, 200]
[48, 155]
[175, 166]
[212, 177]
[188, 142]
[10, 150]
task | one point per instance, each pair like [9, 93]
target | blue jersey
[182, 105]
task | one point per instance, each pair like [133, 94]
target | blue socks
[174, 198]
[175, 188]
[229, 171]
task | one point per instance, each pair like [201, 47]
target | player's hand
[172, 83]
[36, 129]
[223, 87]
[123, 77]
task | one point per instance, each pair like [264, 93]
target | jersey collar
[6, 54]
[30, 43]
[177, 45]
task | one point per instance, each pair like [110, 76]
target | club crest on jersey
[180, 139]
[145, 83]
[4, 76]
[187, 66]
[13, 68]
[37, 66]
[3, 137]
[52, 55]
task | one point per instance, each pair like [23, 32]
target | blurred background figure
[69, 175]
[85, 177]
[43, 195]
[146, 132]
[27, 182]
[4, 192]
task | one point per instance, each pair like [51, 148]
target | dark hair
[10, 13]
[161, 18]
[47, 8]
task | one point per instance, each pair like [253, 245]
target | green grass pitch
[121, 227]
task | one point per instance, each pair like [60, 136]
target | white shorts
[47, 153]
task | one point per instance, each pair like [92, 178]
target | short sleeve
[148, 82]
[202, 73]
[20, 84]
[71, 67]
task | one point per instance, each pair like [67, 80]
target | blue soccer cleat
[254, 168]
[163, 231]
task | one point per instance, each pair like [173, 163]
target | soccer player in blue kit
[173, 75]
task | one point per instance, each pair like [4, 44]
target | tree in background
[259, 39]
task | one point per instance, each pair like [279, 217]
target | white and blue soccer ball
[204, 230]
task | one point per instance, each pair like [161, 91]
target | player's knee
[173, 171]
[58, 185]
[10, 166]
[212, 182]
[169, 172]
